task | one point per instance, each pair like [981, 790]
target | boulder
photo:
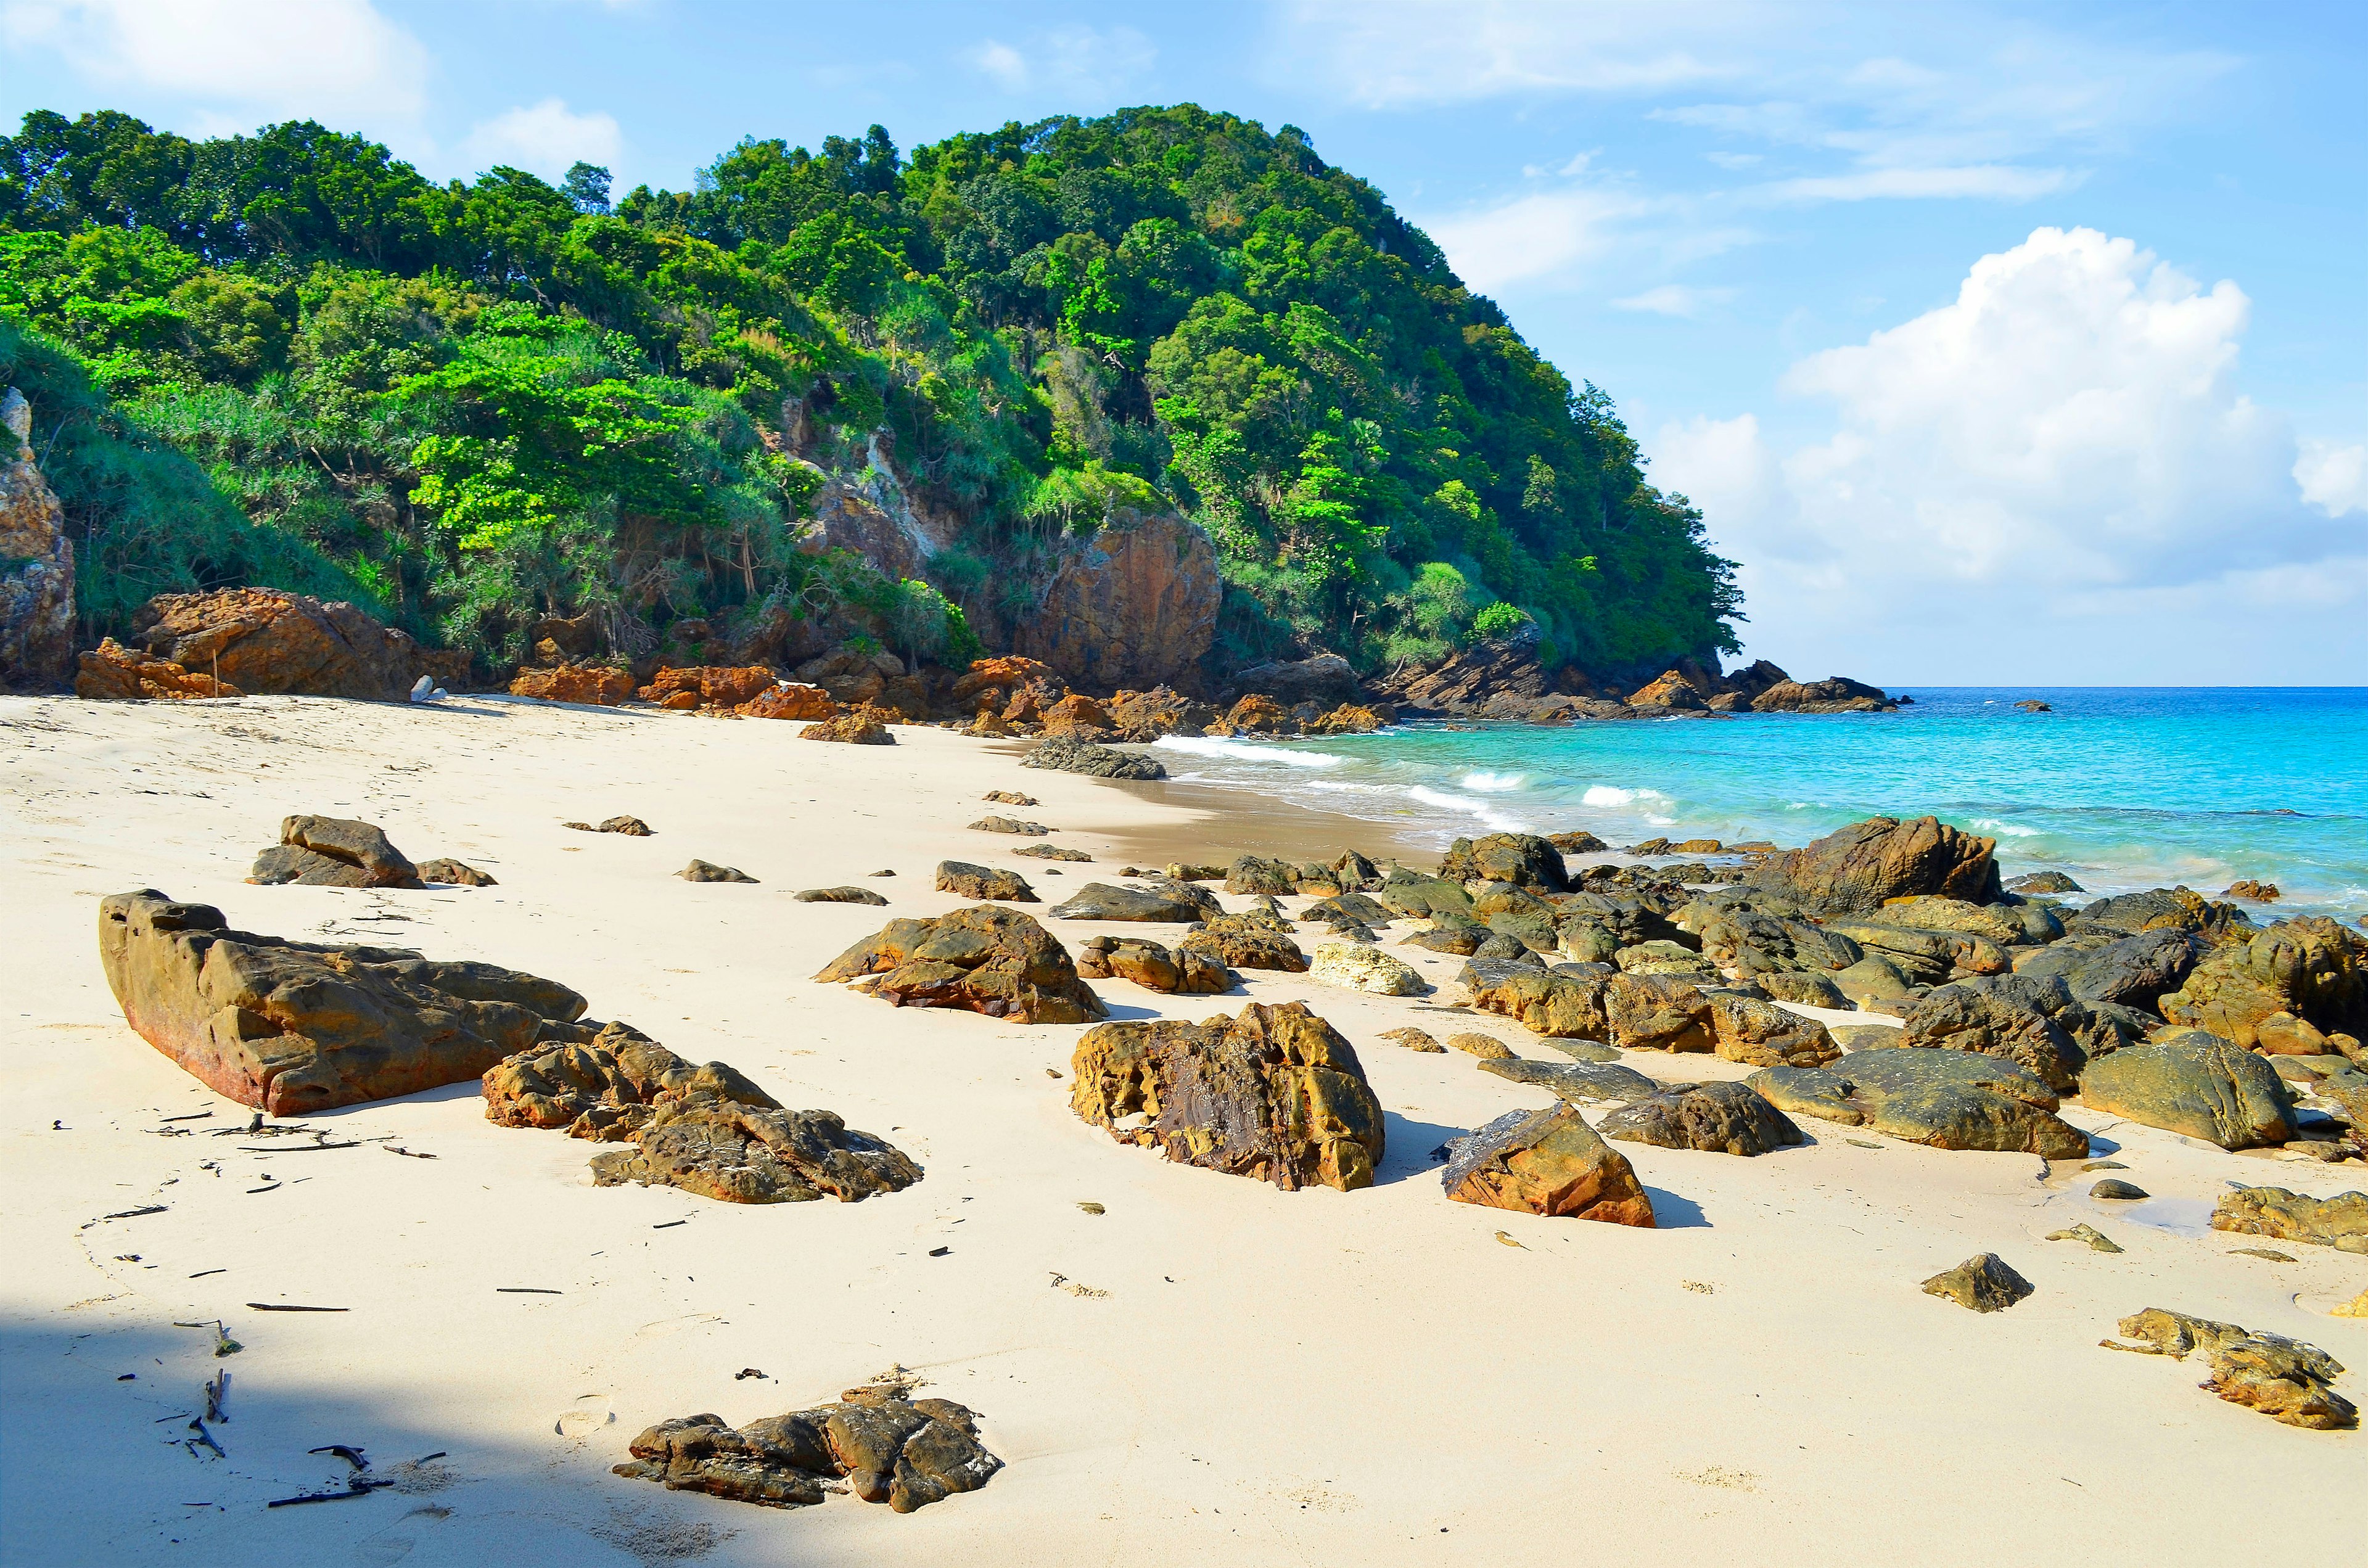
[1360, 966]
[37, 565]
[1803, 990]
[2281, 1378]
[1352, 718]
[1548, 1163]
[2135, 971]
[295, 1028]
[1946, 1100]
[1135, 605]
[2018, 923]
[1144, 716]
[1414, 1040]
[982, 960]
[1177, 902]
[630, 827]
[1645, 1012]
[1983, 1283]
[1835, 693]
[1732, 1118]
[1254, 940]
[2043, 882]
[1051, 852]
[2087, 1235]
[904, 1452]
[334, 852]
[1274, 1094]
[1522, 858]
[1256, 715]
[838, 895]
[964, 880]
[790, 699]
[1009, 825]
[1326, 679]
[2159, 909]
[112, 672]
[2194, 1084]
[709, 872]
[454, 873]
[1671, 690]
[2341, 1221]
[1580, 1083]
[1855, 870]
[267, 642]
[1261, 874]
[1066, 753]
[1009, 798]
[2312, 969]
[1486, 1047]
[1577, 843]
[1759, 943]
[2253, 891]
[713, 687]
[863, 725]
[596, 685]
[1152, 966]
[2026, 1018]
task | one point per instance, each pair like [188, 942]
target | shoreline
[1188, 1408]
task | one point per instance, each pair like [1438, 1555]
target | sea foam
[1203, 746]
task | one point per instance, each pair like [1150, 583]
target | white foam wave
[1489, 816]
[1612, 795]
[2007, 829]
[1203, 746]
[1494, 782]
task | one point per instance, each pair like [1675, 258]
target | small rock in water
[2096, 1240]
[1983, 1283]
[2118, 1191]
[708, 871]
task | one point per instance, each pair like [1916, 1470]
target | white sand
[1270, 1377]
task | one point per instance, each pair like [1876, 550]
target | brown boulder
[964, 880]
[602, 1087]
[708, 686]
[1256, 715]
[2312, 969]
[904, 1452]
[1983, 1283]
[982, 960]
[863, 725]
[2284, 1378]
[1671, 690]
[1547, 1162]
[1251, 940]
[36, 563]
[2341, 1221]
[1652, 1012]
[1731, 1119]
[592, 685]
[991, 684]
[292, 1028]
[1352, 718]
[1523, 859]
[788, 700]
[1142, 716]
[1152, 966]
[1835, 693]
[1077, 714]
[112, 672]
[1135, 605]
[454, 873]
[265, 642]
[1275, 1095]
[1853, 870]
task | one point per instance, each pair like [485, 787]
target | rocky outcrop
[1468, 679]
[36, 563]
[1946, 1100]
[1144, 716]
[2135, 971]
[1326, 680]
[2289, 989]
[964, 880]
[2032, 1020]
[857, 675]
[1154, 966]
[863, 726]
[112, 672]
[1647, 1012]
[1360, 966]
[599, 685]
[1133, 606]
[2341, 1221]
[1066, 753]
[888, 1449]
[334, 852]
[2194, 1084]
[1671, 690]
[1835, 693]
[2043, 882]
[790, 699]
[982, 960]
[2284, 1379]
[846, 518]
[1274, 1094]
[715, 686]
[1855, 870]
[293, 1028]
[1728, 1118]
[267, 642]
[2159, 909]
[1251, 940]
[1179, 901]
[1522, 858]
[1983, 1283]
[1548, 1163]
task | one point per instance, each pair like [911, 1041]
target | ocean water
[2121, 788]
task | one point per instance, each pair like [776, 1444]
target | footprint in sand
[587, 1415]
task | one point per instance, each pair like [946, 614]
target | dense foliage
[289, 358]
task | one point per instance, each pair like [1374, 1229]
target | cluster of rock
[2281, 1377]
[37, 565]
[884, 1445]
[985, 959]
[1013, 695]
[261, 641]
[338, 852]
[1502, 678]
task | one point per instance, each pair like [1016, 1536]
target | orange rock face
[863, 725]
[1256, 715]
[113, 672]
[263, 641]
[1350, 719]
[790, 701]
[708, 686]
[1672, 690]
[575, 683]
[1133, 606]
[1075, 714]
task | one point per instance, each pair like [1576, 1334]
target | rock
[1009, 825]
[2135, 971]
[1077, 714]
[295, 1028]
[1580, 1083]
[1352, 718]
[1804, 989]
[586, 684]
[1522, 858]
[1256, 715]
[2197, 1084]
[1009, 798]
[1548, 1163]
[1248, 941]
[36, 563]
[1134, 605]
[2258, 893]
[334, 852]
[2341, 1221]
[1068, 754]
[1488, 1047]
[112, 672]
[632, 828]
[1051, 852]
[1864, 1037]
[1326, 679]
[2033, 705]
[2044, 882]
[1645, 1012]
[790, 699]
[2113, 1189]
[1945, 1099]
[709, 686]
[708, 871]
[1835, 693]
[265, 642]
[1349, 906]
[839, 896]
[1671, 690]
[863, 725]
[1154, 967]
[2019, 924]
[1665, 958]
[1177, 902]
[1983, 1282]
[1144, 716]
[1874, 978]
[454, 873]
[1854, 870]
[2355, 1308]
[1577, 843]
[1759, 943]
[904, 1453]
[985, 959]
[1732, 1118]
[2310, 969]
[2013, 1015]
[283, 864]
[2087, 1235]
[1414, 1040]
[1260, 874]
[2280, 1377]
[1359, 966]
[2157, 909]
[965, 880]
[1274, 1094]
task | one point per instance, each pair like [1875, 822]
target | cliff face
[37, 567]
[1133, 606]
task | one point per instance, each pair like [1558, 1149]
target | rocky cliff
[37, 566]
[1134, 605]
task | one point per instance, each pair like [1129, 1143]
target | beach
[1207, 1369]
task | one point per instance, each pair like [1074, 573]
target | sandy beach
[1208, 1371]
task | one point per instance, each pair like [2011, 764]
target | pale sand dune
[1272, 1378]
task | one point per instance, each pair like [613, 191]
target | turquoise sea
[2123, 788]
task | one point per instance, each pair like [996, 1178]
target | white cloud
[2334, 477]
[1075, 62]
[1531, 236]
[340, 59]
[1674, 299]
[544, 139]
[1386, 53]
[2002, 182]
[2037, 479]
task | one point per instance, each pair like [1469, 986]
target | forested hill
[473, 404]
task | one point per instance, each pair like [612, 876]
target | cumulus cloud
[338, 59]
[544, 139]
[2028, 478]
[2333, 476]
[1075, 62]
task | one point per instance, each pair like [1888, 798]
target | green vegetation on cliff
[290, 358]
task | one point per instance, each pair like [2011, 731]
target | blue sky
[1998, 341]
